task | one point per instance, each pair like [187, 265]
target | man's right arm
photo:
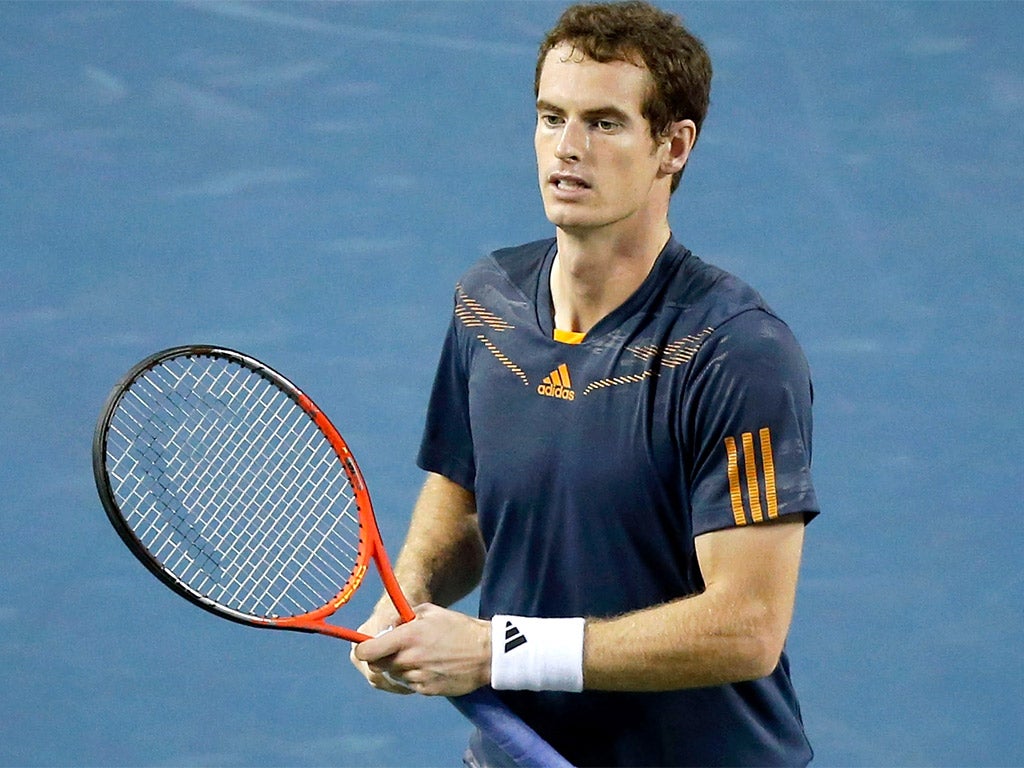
[443, 555]
[441, 561]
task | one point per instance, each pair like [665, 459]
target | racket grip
[498, 723]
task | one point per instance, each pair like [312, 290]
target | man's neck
[595, 273]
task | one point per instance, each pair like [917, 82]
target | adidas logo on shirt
[557, 384]
[513, 637]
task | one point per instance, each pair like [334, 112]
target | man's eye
[551, 121]
[606, 125]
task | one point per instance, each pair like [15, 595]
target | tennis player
[618, 448]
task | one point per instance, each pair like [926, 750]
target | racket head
[230, 485]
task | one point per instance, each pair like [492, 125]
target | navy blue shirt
[595, 465]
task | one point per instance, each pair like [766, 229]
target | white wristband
[530, 654]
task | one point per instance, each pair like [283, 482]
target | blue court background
[306, 181]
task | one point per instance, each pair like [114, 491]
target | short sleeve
[747, 425]
[447, 444]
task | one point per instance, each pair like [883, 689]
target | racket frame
[371, 546]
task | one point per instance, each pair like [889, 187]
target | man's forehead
[569, 72]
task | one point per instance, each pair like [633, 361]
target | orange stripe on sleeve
[735, 493]
[750, 463]
[768, 459]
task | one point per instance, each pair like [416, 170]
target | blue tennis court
[306, 182]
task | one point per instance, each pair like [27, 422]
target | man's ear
[676, 144]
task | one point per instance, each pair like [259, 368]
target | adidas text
[549, 390]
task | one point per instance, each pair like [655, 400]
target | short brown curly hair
[639, 33]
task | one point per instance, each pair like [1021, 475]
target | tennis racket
[234, 489]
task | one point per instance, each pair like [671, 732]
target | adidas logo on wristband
[513, 637]
[551, 661]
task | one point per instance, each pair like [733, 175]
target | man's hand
[440, 653]
[384, 618]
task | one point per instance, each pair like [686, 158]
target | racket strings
[230, 485]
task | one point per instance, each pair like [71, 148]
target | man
[617, 445]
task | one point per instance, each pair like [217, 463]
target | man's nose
[573, 142]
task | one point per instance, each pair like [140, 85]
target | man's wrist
[531, 654]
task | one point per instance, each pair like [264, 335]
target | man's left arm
[734, 630]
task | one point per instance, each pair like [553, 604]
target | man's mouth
[567, 182]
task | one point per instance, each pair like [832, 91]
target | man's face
[597, 162]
